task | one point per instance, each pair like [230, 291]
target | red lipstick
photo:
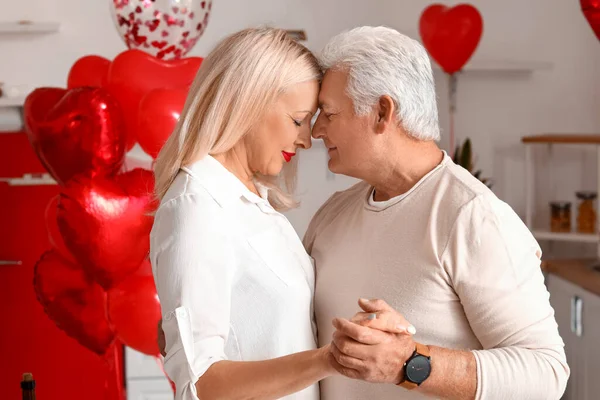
[287, 156]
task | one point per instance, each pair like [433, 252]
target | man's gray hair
[382, 61]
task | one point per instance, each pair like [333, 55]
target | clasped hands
[372, 346]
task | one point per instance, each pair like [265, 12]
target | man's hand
[373, 349]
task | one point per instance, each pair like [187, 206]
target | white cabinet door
[590, 347]
[145, 379]
[562, 297]
[149, 389]
[140, 365]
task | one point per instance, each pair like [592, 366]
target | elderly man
[426, 237]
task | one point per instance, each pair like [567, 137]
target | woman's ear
[386, 108]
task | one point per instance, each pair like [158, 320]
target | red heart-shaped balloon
[54, 236]
[88, 71]
[591, 10]
[451, 34]
[133, 74]
[75, 131]
[159, 112]
[75, 303]
[105, 223]
[134, 311]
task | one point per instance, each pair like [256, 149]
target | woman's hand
[379, 315]
[374, 345]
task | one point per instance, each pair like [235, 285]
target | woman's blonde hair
[237, 82]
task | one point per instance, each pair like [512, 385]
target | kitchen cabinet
[145, 379]
[575, 296]
[149, 389]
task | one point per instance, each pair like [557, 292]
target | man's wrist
[405, 354]
[419, 361]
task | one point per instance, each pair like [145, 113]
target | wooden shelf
[564, 138]
[30, 180]
[566, 237]
[502, 66]
[12, 101]
[29, 27]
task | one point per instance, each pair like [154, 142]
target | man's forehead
[333, 86]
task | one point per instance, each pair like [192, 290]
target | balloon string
[452, 146]
[452, 83]
[114, 383]
[118, 372]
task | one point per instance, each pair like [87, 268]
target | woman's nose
[304, 141]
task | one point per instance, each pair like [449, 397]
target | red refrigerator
[30, 341]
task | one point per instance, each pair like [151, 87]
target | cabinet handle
[10, 262]
[578, 316]
[573, 313]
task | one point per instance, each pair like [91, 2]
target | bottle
[28, 387]
[560, 216]
[586, 218]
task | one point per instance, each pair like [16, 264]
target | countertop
[576, 271]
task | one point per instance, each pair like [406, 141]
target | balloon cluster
[96, 282]
[591, 11]
[167, 29]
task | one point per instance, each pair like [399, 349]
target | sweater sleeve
[494, 265]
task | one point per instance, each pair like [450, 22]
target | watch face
[418, 369]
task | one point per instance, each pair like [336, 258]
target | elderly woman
[234, 281]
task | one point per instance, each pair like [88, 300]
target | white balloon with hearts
[167, 29]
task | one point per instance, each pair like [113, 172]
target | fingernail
[371, 317]
[401, 328]
[411, 329]
[364, 300]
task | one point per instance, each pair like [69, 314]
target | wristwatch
[417, 368]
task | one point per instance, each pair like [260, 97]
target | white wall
[494, 110]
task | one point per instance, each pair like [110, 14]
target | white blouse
[233, 278]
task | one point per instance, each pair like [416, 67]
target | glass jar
[586, 213]
[560, 216]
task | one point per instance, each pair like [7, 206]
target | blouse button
[181, 312]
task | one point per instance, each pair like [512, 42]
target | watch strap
[420, 349]
[408, 385]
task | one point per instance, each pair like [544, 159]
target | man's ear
[385, 113]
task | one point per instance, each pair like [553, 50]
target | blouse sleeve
[193, 268]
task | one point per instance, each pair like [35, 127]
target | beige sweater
[459, 264]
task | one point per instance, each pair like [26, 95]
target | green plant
[463, 156]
